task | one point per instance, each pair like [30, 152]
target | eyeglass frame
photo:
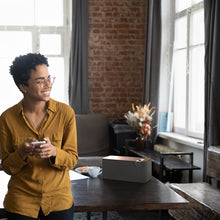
[42, 81]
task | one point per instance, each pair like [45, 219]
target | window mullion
[35, 40]
[35, 16]
[187, 74]
[67, 5]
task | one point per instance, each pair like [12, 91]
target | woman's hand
[26, 148]
[45, 150]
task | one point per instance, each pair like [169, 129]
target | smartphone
[38, 143]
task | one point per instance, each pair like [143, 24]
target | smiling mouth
[46, 92]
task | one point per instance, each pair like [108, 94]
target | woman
[39, 186]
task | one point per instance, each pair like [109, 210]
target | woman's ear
[23, 88]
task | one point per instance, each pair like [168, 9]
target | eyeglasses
[42, 82]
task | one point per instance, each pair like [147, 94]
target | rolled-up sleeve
[67, 155]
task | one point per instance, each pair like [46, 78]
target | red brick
[116, 55]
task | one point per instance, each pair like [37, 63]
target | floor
[126, 215]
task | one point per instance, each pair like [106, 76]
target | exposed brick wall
[116, 55]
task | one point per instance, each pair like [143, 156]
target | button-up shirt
[38, 182]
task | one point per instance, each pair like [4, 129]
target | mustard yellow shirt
[37, 182]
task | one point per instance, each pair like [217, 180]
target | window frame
[177, 15]
[65, 33]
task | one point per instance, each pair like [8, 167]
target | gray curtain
[152, 59]
[78, 75]
[212, 75]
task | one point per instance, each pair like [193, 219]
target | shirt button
[40, 182]
[40, 168]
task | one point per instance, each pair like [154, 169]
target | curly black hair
[22, 66]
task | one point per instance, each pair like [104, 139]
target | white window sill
[192, 142]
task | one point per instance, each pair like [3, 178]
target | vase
[139, 144]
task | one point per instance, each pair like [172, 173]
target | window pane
[50, 44]
[49, 12]
[182, 4]
[16, 12]
[56, 68]
[14, 43]
[181, 33]
[197, 27]
[196, 1]
[10, 94]
[179, 88]
[196, 105]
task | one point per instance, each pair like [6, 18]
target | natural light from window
[188, 58]
[36, 26]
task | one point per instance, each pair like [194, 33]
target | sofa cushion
[92, 134]
[89, 161]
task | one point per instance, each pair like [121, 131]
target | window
[188, 68]
[32, 26]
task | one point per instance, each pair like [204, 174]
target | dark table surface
[97, 194]
[203, 195]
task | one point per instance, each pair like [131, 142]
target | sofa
[92, 139]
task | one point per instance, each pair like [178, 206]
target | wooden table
[204, 200]
[97, 194]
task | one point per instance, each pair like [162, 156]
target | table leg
[161, 168]
[104, 215]
[191, 171]
[88, 215]
[164, 215]
[190, 176]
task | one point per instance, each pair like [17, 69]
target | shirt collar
[51, 106]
